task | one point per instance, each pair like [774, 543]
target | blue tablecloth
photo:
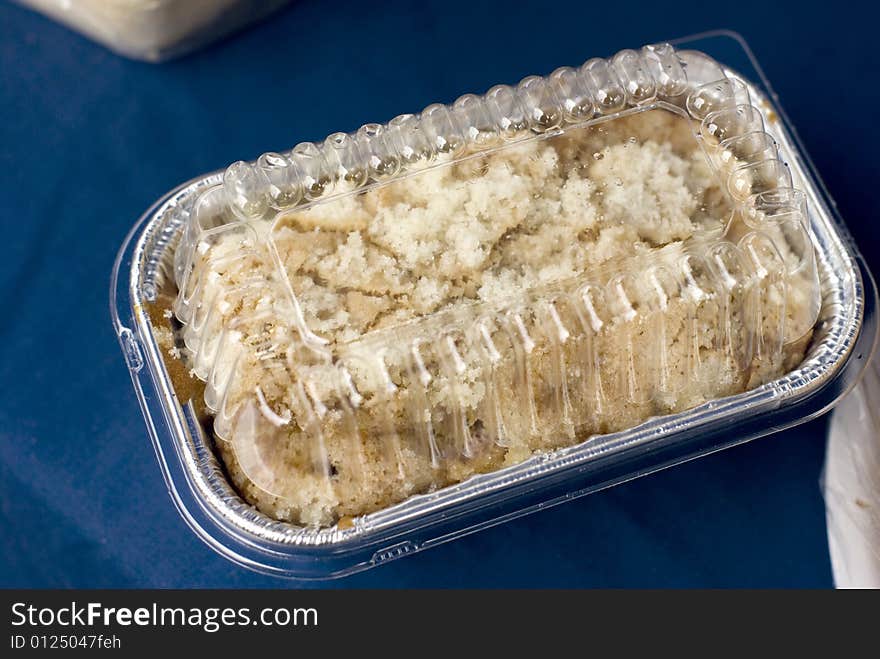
[88, 140]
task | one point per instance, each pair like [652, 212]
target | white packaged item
[852, 485]
[155, 30]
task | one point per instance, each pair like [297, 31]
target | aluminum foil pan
[842, 342]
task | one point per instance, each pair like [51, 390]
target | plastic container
[571, 370]
[155, 30]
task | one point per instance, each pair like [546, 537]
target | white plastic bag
[851, 485]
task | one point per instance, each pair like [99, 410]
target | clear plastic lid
[393, 310]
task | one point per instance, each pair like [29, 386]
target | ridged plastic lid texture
[538, 367]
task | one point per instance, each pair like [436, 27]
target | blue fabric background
[88, 140]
